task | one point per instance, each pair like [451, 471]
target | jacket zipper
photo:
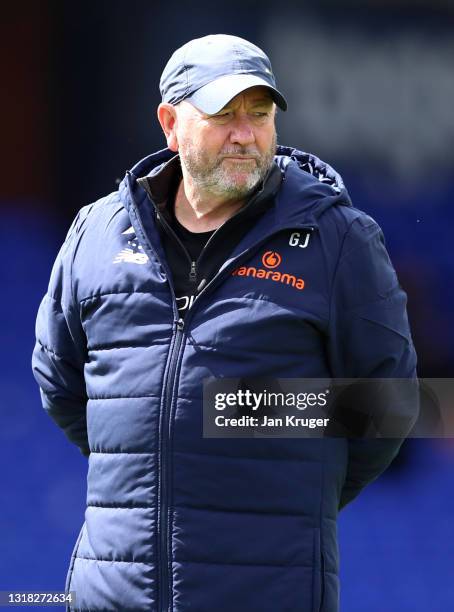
[173, 234]
[193, 272]
[164, 556]
[164, 584]
[192, 263]
[164, 552]
[165, 429]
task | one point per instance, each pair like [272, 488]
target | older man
[221, 256]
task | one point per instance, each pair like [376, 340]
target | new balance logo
[134, 253]
[129, 256]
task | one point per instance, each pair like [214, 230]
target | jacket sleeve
[369, 338]
[60, 350]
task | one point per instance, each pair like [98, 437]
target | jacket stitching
[336, 268]
[104, 397]
[119, 506]
[122, 452]
[51, 351]
[236, 511]
[273, 459]
[113, 560]
[98, 295]
[283, 565]
[97, 349]
[188, 398]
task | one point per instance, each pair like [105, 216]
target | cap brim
[215, 95]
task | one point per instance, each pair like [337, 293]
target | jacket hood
[308, 162]
[308, 180]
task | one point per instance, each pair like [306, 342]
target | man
[167, 282]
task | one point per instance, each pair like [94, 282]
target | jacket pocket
[71, 564]
[318, 574]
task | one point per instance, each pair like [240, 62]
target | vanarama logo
[270, 260]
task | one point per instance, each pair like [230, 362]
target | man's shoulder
[105, 206]
[349, 218]
[94, 214]
[347, 228]
[91, 221]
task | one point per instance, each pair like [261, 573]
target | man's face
[229, 153]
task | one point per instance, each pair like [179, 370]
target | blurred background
[370, 86]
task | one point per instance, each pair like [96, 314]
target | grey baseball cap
[210, 71]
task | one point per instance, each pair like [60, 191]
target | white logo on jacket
[132, 254]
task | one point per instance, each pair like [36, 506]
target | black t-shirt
[194, 243]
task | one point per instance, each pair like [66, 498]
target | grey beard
[220, 182]
[217, 180]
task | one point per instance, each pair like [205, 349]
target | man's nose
[242, 132]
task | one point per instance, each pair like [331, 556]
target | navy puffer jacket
[174, 521]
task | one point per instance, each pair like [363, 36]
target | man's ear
[167, 116]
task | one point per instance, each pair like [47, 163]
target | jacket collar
[162, 182]
[303, 190]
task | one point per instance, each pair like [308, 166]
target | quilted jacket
[175, 521]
